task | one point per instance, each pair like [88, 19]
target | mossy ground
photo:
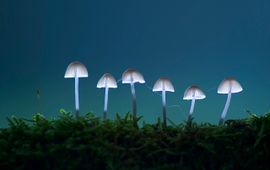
[90, 143]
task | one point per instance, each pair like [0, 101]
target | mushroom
[193, 93]
[76, 70]
[228, 86]
[132, 76]
[106, 81]
[163, 85]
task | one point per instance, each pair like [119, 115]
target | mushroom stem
[134, 107]
[221, 121]
[191, 109]
[106, 103]
[77, 95]
[164, 108]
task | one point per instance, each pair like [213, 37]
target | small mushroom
[163, 85]
[132, 76]
[76, 70]
[106, 81]
[228, 86]
[193, 93]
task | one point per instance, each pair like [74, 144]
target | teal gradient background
[190, 42]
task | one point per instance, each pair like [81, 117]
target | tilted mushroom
[193, 93]
[228, 86]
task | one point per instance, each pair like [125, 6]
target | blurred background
[189, 42]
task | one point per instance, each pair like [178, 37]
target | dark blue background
[190, 42]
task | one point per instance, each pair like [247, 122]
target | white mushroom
[76, 70]
[228, 86]
[193, 93]
[163, 85]
[106, 81]
[132, 76]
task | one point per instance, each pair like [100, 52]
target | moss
[89, 143]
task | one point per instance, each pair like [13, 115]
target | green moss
[89, 143]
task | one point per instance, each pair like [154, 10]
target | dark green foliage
[90, 143]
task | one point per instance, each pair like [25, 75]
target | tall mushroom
[106, 81]
[76, 70]
[193, 93]
[132, 76]
[163, 85]
[228, 86]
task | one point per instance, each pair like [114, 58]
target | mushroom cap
[229, 84]
[107, 80]
[76, 69]
[193, 92]
[163, 84]
[132, 76]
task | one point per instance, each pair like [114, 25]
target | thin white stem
[223, 115]
[77, 95]
[192, 106]
[164, 107]
[191, 110]
[226, 105]
[134, 107]
[106, 102]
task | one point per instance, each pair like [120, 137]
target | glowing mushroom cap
[229, 85]
[163, 84]
[76, 69]
[107, 80]
[193, 92]
[132, 76]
